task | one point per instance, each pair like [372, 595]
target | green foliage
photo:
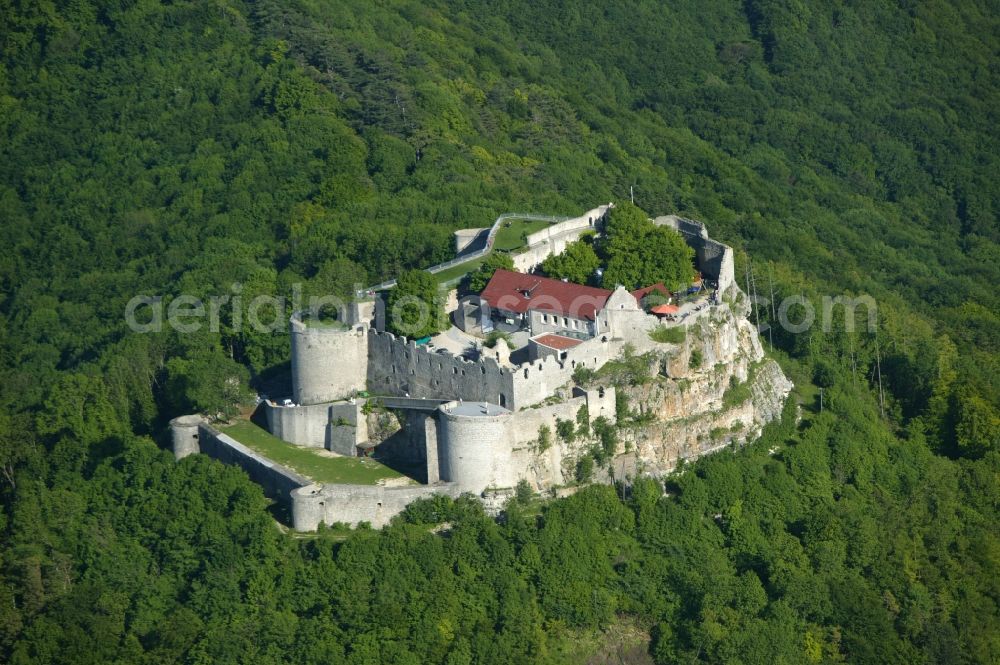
[583, 421]
[566, 430]
[696, 359]
[577, 263]
[638, 253]
[622, 412]
[479, 278]
[582, 375]
[607, 438]
[494, 337]
[629, 368]
[584, 468]
[413, 307]
[824, 375]
[168, 148]
[523, 492]
[544, 441]
[671, 335]
[208, 382]
[977, 430]
[737, 392]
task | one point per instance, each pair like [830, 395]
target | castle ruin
[474, 425]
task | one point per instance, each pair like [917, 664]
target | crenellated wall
[397, 366]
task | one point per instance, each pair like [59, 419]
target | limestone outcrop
[716, 388]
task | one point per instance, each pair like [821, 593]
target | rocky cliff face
[713, 389]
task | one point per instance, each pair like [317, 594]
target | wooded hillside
[184, 147]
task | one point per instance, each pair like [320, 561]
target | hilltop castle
[472, 417]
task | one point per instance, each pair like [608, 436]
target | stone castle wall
[278, 482]
[352, 504]
[714, 258]
[553, 239]
[337, 426]
[397, 366]
[328, 364]
[184, 435]
[474, 451]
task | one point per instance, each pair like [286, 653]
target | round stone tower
[184, 433]
[474, 445]
[329, 361]
[308, 507]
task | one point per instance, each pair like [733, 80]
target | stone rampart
[714, 258]
[277, 481]
[553, 466]
[474, 446]
[553, 239]
[397, 366]
[184, 435]
[535, 381]
[337, 426]
[352, 504]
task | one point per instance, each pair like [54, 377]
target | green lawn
[307, 461]
[508, 238]
[512, 237]
[327, 324]
[457, 272]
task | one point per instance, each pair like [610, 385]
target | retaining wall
[352, 504]
[466, 237]
[278, 482]
[554, 238]
[336, 426]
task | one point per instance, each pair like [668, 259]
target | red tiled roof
[558, 342]
[665, 309]
[639, 294]
[517, 292]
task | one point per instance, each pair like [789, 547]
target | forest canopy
[256, 148]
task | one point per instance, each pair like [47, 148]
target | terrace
[314, 463]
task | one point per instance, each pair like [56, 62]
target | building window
[565, 322]
[545, 318]
[526, 373]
